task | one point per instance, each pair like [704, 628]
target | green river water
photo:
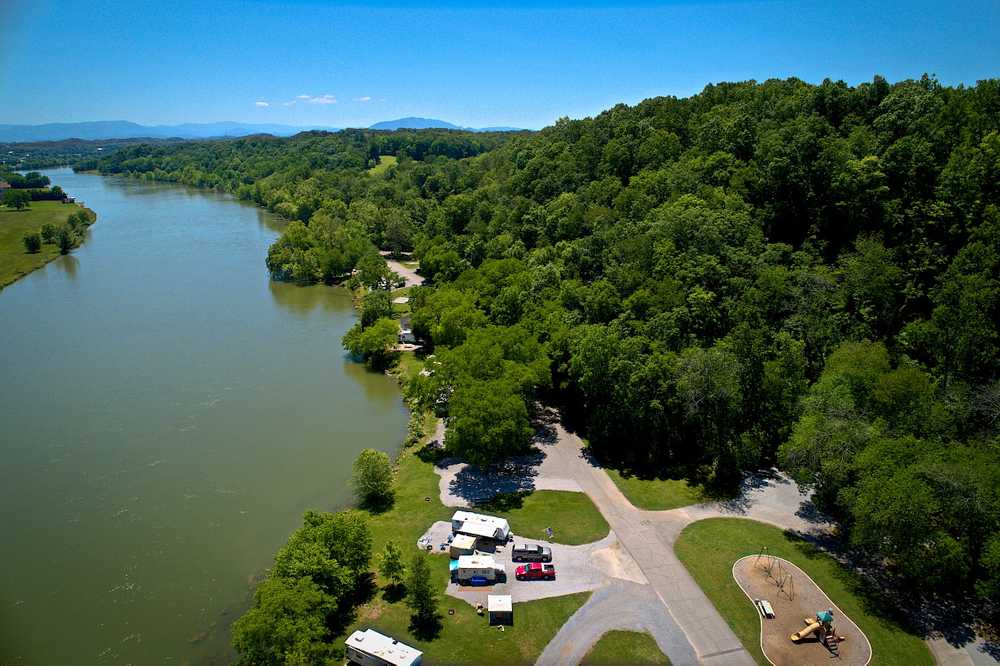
[166, 415]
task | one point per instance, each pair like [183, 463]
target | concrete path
[685, 623]
[618, 605]
[649, 537]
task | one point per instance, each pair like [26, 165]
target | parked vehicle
[524, 552]
[536, 571]
[484, 567]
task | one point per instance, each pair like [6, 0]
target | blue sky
[472, 63]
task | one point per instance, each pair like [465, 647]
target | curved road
[684, 623]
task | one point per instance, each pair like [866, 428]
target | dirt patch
[616, 563]
[798, 598]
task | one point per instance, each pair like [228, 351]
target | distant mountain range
[123, 129]
[412, 122]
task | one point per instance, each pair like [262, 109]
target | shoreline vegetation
[456, 634]
[762, 274]
[15, 261]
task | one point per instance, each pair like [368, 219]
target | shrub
[373, 478]
[32, 242]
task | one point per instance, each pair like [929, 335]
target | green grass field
[572, 516]
[465, 637]
[709, 548]
[617, 648]
[14, 261]
[384, 163]
[657, 494]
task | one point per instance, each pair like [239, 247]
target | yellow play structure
[822, 627]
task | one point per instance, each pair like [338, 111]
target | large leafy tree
[487, 422]
[287, 623]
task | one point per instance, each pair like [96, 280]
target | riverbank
[176, 483]
[15, 262]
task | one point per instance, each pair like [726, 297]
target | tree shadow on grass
[394, 593]
[504, 502]
[426, 627]
[377, 505]
[347, 609]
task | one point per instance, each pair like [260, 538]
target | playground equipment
[772, 567]
[820, 626]
[764, 561]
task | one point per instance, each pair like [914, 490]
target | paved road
[618, 605]
[649, 537]
[408, 274]
[684, 620]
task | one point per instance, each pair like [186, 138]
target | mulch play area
[793, 596]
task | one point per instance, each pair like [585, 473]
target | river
[167, 413]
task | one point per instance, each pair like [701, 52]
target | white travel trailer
[480, 525]
[477, 566]
[370, 648]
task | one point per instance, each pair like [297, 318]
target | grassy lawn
[708, 549]
[572, 516]
[384, 163]
[14, 261]
[657, 494]
[625, 647]
[408, 365]
[464, 637]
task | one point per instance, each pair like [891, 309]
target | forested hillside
[774, 273]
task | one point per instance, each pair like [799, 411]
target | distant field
[14, 261]
[384, 162]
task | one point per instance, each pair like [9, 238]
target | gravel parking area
[436, 535]
[578, 569]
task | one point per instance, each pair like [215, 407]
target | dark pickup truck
[523, 552]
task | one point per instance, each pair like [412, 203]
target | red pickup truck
[535, 571]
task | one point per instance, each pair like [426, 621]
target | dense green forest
[763, 273]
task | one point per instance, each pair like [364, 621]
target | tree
[32, 242]
[373, 479]
[289, 618]
[65, 239]
[398, 231]
[16, 199]
[377, 305]
[487, 421]
[331, 549]
[420, 597]
[49, 233]
[373, 272]
[375, 344]
[391, 564]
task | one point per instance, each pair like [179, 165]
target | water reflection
[69, 265]
[382, 393]
[270, 221]
[304, 300]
